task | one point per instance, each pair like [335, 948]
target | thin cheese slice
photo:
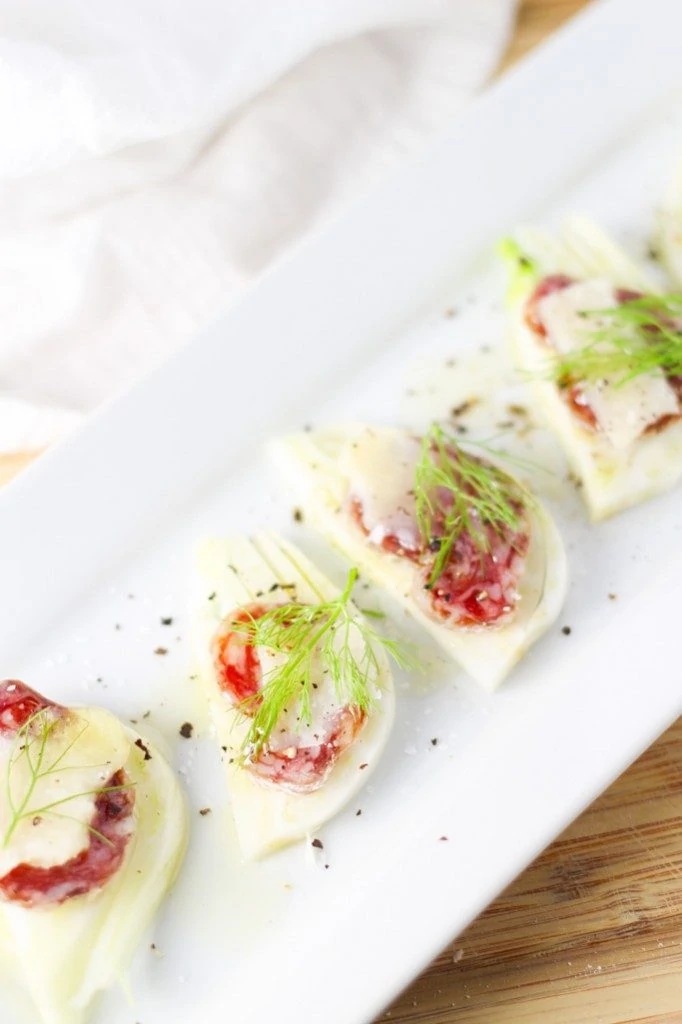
[382, 470]
[87, 748]
[623, 411]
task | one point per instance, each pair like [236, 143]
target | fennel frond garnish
[317, 640]
[459, 493]
[31, 746]
[638, 337]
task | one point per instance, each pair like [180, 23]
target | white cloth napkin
[159, 153]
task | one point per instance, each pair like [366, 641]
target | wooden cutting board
[591, 933]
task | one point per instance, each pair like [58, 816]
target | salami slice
[290, 760]
[110, 828]
[477, 586]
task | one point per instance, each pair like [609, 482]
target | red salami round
[571, 390]
[547, 286]
[236, 662]
[285, 760]
[301, 769]
[477, 586]
[111, 826]
[18, 703]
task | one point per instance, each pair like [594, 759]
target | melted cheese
[266, 817]
[623, 412]
[86, 748]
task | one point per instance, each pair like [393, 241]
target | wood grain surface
[11, 464]
[537, 19]
[591, 933]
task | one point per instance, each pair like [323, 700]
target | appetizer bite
[93, 829]
[603, 351]
[299, 687]
[461, 543]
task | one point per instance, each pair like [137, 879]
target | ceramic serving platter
[393, 315]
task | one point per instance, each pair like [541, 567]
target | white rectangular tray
[96, 540]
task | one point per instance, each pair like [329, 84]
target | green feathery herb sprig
[639, 337]
[459, 493]
[31, 743]
[315, 639]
